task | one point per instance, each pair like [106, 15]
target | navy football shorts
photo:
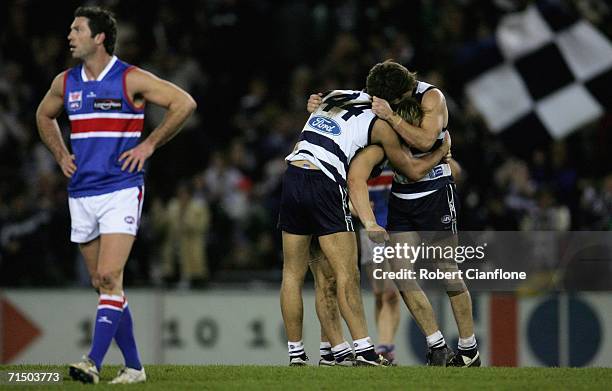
[313, 204]
[434, 212]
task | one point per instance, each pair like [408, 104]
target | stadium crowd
[251, 66]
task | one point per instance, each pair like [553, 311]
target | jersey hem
[107, 190]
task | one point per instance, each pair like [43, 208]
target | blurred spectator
[546, 215]
[251, 67]
[596, 206]
[186, 225]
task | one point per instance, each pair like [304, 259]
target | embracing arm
[179, 104]
[421, 137]
[456, 169]
[359, 172]
[46, 120]
[401, 158]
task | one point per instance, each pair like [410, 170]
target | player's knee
[292, 279]
[378, 299]
[294, 273]
[390, 297]
[348, 279]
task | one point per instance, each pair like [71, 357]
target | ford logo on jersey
[325, 125]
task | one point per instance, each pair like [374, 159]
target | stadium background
[251, 66]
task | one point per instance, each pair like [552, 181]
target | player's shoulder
[433, 97]
[137, 78]
[59, 82]
[134, 71]
[381, 130]
[350, 95]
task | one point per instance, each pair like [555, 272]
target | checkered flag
[545, 75]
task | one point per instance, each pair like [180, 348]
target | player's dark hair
[100, 21]
[389, 80]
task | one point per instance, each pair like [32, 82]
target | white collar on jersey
[104, 71]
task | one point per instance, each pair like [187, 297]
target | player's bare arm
[46, 119]
[143, 86]
[454, 165]
[422, 137]
[359, 172]
[456, 169]
[401, 158]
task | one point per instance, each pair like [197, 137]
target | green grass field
[183, 377]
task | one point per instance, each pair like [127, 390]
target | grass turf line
[223, 377]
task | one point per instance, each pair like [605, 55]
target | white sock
[295, 348]
[325, 348]
[362, 345]
[467, 343]
[436, 340]
[341, 350]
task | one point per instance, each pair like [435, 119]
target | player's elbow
[353, 182]
[39, 115]
[42, 118]
[190, 104]
[427, 142]
[414, 173]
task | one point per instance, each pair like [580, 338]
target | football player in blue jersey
[104, 99]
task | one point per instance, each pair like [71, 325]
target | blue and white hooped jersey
[104, 123]
[335, 132]
[439, 176]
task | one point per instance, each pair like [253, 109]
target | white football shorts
[111, 213]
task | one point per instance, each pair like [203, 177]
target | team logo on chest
[75, 100]
[325, 125]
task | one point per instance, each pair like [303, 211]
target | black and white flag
[549, 75]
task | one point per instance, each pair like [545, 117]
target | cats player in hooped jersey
[314, 203]
[386, 296]
[429, 205]
[104, 99]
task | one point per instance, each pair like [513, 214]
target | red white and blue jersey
[104, 123]
[379, 188]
